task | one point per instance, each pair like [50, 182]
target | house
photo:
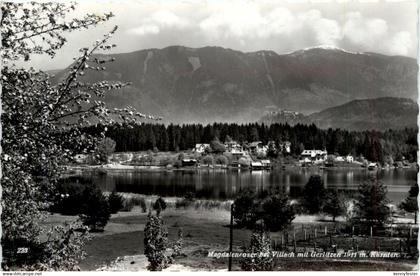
[234, 148]
[201, 148]
[313, 156]
[258, 148]
[349, 159]
[266, 164]
[189, 162]
[256, 165]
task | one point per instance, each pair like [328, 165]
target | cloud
[325, 31]
[250, 25]
[144, 29]
[247, 21]
[401, 43]
[162, 19]
[235, 19]
[169, 19]
[364, 31]
[374, 34]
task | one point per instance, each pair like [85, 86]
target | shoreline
[152, 168]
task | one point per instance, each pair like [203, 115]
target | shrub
[177, 246]
[261, 246]
[155, 243]
[142, 203]
[333, 205]
[70, 198]
[181, 156]
[244, 208]
[95, 210]
[186, 201]
[116, 202]
[276, 212]
[208, 204]
[244, 162]
[208, 160]
[371, 203]
[217, 147]
[410, 204]
[166, 161]
[128, 205]
[271, 207]
[178, 164]
[222, 160]
[314, 194]
[104, 149]
[159, 205]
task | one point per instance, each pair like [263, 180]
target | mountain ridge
[208, 84]
[360, 114]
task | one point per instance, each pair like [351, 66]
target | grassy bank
[205, 225]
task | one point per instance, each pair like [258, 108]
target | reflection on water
[224, 184]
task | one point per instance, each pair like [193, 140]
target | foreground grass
[205, 228]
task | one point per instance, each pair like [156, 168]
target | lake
[225, 184]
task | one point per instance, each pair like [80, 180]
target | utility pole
[231, 237]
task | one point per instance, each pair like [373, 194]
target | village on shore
[233, 155]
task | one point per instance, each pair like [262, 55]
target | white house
[266, 163]
[234, 148]
[313, 156]
[258, 148]
[349, 159]
[201, 148]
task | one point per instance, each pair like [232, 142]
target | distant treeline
[373, 145]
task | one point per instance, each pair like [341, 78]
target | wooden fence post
[304, 232]
[371, 231]
[315, 233]
[400, 246]
[282, 240]
[326, 231]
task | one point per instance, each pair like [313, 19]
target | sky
[248, 25]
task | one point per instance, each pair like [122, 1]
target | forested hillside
[374, 145]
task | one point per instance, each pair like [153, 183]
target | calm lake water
[224, 184]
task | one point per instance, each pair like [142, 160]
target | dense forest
[373, 145]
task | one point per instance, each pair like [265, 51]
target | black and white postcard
[209, 135]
